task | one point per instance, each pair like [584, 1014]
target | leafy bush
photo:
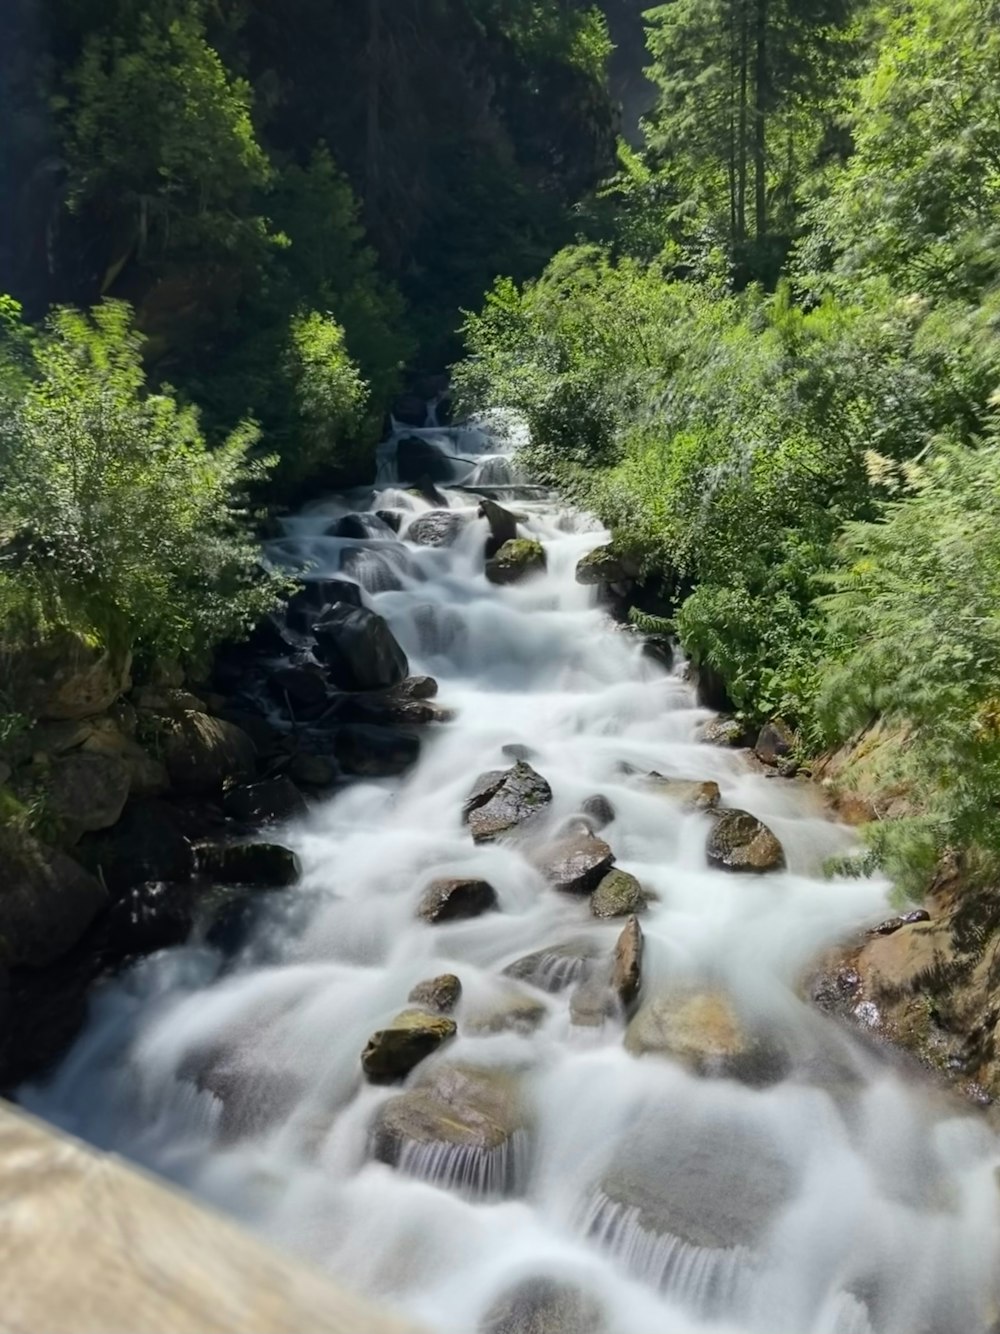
[917, 608]
[115, 513]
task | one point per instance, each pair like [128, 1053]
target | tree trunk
[744, 62]
[761, 91]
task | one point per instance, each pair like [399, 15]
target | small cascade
[479, 1171]
[711, 1282]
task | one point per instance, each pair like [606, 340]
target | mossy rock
[618, 895]
[393, 1051]
[516, 560]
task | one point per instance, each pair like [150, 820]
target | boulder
[439, 528]
[441, 993]
[515, 561]
[393, 1051]
[702, 1030]
[691, 796]
[415, 687]
[503, 526]
[459, 1126]
[359, 649]
[202, 754]
[374, 752]
[312, 770]
[86, 792]
[514, 751]
[514, 1011]
[618, 895]
[261, 865]
[270, 801]
[598, 810]
[723, 731]
[153, 916]
[555, 967]
[359, 527]
[66, 676]
[418, 461]
[165, 701]
[604, 566]
[626, 967]
[775, 742]
[314, 596]
[299, 685]
[577, 863]
[393, 519]
[739, 841]
[47, 901]
[447, 900]
[544, 1306]
[145, 845]
[505, 799]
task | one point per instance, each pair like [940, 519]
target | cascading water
[619, 1193]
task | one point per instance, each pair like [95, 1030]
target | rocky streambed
[477, 977]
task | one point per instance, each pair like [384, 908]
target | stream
[828, 1192]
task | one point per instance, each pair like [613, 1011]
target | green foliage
[917, 608]
[117, 516]
[158, 124]
[918, 201]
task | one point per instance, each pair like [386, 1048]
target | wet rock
[459, 1127]
[741, 842]
[301, 686]
[417, 460]
[604, 565]
[503, 800]
[689, 795]
[514, 1011]
[202, 753]
[65, 676]
[711, 689]
[659, 649]
[626, 968]
[262, 865]
[516, 560]
[374, 752]
[725, 731]
[618, 895]
[146, 844]
[439, 528]
[775, 741]
[267, 802]
[503, 526]
[47, 901]
[387, 707]
[313, 597]
[555, 967]
[695, 1191]
[415, 687]
[393, 1051]
[894, 924]
[253, 1096]
[86, 792]
[359, 527]
[598, 810]
[515, 751]
[409, 409]
[312, 770]
[544, 1306]
[577, 863]
[359, 649]
[150, 917]
[267, 738]
[437, 993]
[447, 900]
[392, 519]
[702, 1030]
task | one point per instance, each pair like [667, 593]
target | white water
[856, 1200]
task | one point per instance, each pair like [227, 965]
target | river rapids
[635, 1194]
